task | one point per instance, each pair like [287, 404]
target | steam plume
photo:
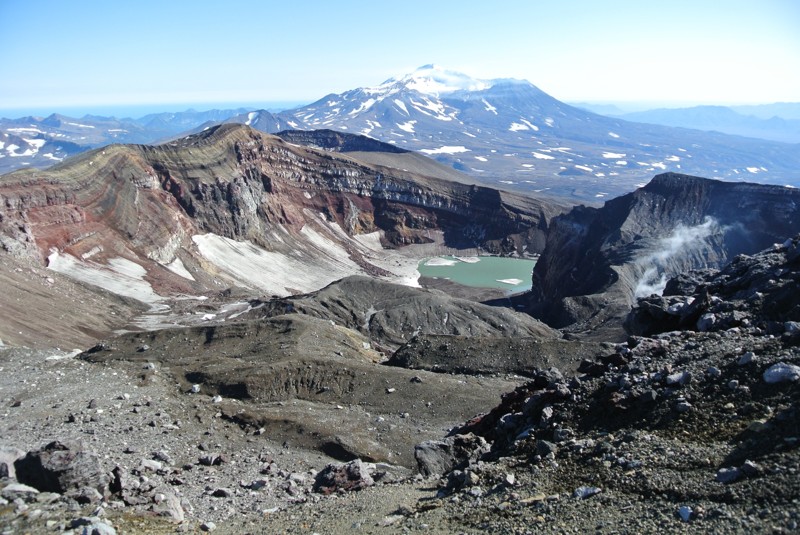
[681, 240]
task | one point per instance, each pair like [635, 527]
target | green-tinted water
[512, 274]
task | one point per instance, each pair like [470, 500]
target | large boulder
[435, 457]
[62, 467]
[343, 477]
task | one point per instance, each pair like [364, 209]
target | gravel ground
[690, 430]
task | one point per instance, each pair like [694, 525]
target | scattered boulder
[782, 372]
[343, 477]
[12, 491]
[92, 526]
[62, 467]
[168, 505]
[586, 492]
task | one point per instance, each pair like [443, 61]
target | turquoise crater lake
[511, 274]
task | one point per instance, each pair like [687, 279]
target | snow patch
[38, 143]
[277, 273]
[440, 262]
[177, 267]
[402, 105]
[407, 126]
[121, 276]
[612, 134]
[613, 155]
[447, 149]
[489, 107]
[540, 156]
[434, 109]
[512, 282]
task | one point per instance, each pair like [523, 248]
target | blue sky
[94, 54]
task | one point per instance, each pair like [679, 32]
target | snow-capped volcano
[433, 80]
[509, 132]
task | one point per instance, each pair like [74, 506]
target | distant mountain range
[748, 121]
[502, 132]
[43, 141]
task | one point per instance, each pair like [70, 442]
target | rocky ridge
[598, 260]
[166, 220]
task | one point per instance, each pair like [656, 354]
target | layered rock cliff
[239, 183]
[233, 207]
[597, 260]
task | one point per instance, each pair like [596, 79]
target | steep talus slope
[597, 260]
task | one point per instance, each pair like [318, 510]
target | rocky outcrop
[757, 291]
[597, 261]
[485, 355]
[343, 477]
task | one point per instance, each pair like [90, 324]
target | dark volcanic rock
[684, 417]
[436, 457]
[343, 477]
[597, 261]
[59, 467]
[337, 141]
[752, 291]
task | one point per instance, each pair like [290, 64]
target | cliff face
[146, 203]
[596, 261]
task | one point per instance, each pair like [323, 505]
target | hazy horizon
[137, 111]
[93, 55]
